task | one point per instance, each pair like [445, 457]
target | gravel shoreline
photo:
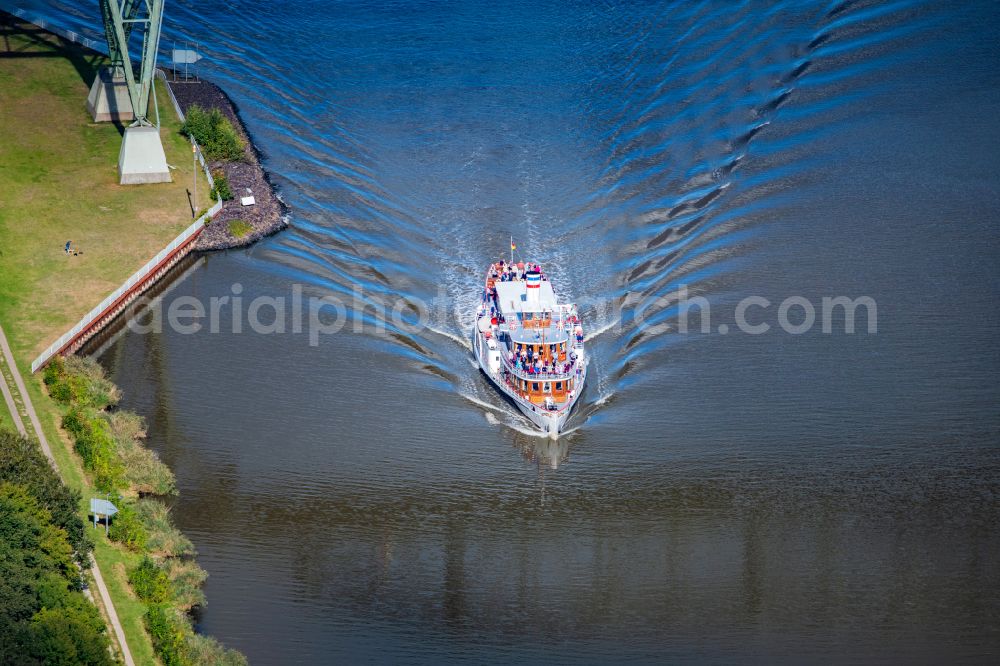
[268, 215]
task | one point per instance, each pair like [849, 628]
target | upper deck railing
[513, 392]
[539, 376]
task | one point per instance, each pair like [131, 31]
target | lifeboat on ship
[529, 345]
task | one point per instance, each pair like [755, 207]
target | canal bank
[68, 235]
[55, 187]
[247, 179]
[233, 220]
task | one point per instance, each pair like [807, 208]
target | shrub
[221, 191]
[69, 390]
[162, 537]
[74, 421]
[207, 650]
[80, 381]
[169, 632]
[127, 528]
[61, 393]
[177, 645]
[186, 579]
[53, 371]
[143, 470]
[215, 134]
[94, 388]
[127, 425]
[55, 379]
[97, 448]
[150, 583]
[84, 366]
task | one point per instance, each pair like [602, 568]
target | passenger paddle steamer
[529, 345]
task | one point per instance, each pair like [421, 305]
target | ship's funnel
[533, 286]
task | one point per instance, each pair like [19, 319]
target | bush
[75, 422]
[169, 632]
[215, 134]
[94, 388]
[143, 470]
[127, 425]
[80, 381]
[162, 537]
[97, 448]
[127, 528]
[69, 390]
[186, 579]
[150, 583]
[108, 443]
[61, 393]
[177, 645]
[221, 191]
[53, 371]
[207, 650]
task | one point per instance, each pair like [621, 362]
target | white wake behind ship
[530, 346]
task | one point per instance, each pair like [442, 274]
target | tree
[22, 462]
[44, 618]
[67, 636]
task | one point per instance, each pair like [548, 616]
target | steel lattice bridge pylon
[120, 16]
[121, 92]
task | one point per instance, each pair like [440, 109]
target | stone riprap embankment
[267, 215]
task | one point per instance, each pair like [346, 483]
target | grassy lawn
[239, 228]
[59, 182]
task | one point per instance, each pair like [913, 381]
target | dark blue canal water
[723, 495]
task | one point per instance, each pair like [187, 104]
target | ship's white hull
[549, 422]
